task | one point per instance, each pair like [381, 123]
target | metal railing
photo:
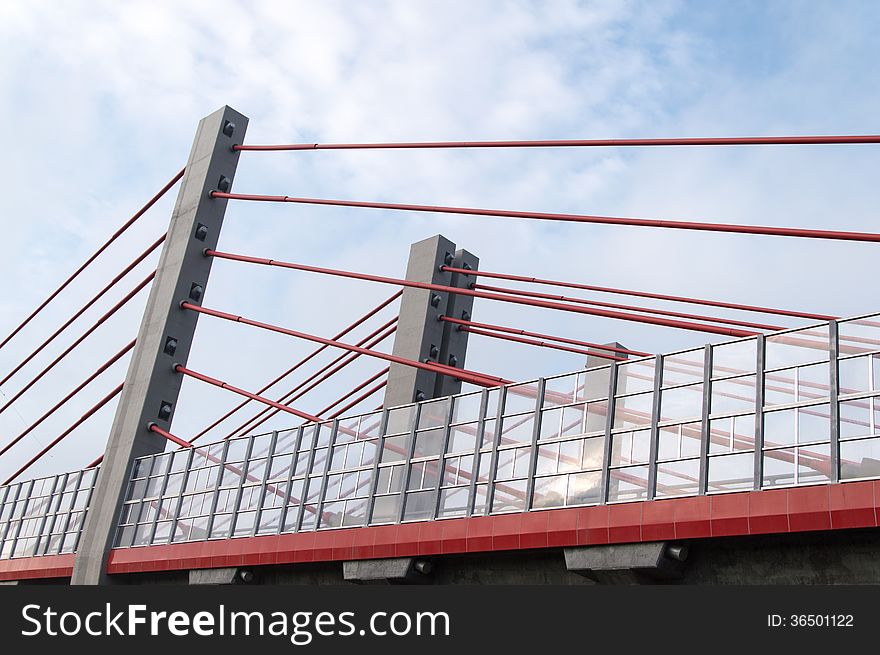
[796, 407]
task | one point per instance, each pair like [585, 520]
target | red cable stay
[632, 308]
[579, 143]
[871, 237]
[643, 294]
[94, 256]
[180, 442]
[574, 342]
[357, 401]
[472, 377]
[302, 362]
[541, 344]
[685, 325]
[85, 307]
[131, 294]
[241, 392]
[70, 395]
[82, 419]
[352, 392]
[152, 427]
[317, 378]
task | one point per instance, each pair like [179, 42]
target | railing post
[151, 386]
[421, 335]
[834, 367]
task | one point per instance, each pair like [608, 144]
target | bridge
[751, 459]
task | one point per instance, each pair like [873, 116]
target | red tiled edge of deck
[32, 568]
[829, 507]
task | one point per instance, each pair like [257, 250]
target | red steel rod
[85, 307]
[152, 427]
[538, 335]
[70, 395]
[631, 308]
[180, 442]
[871, 237]
[464, 375]
[302, 362]
[241, 392]
[316, 379]
[539, 344]
[569, 143]
[357, 401]
[131, 294]
[349, 394]
[82, 419]
[699, 327]
[643, 294]
[107, 243]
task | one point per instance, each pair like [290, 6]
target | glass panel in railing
[859, 335]
[633, 411]
[681, 403]
[466, 408]
[683, 368]
[520, 398]
[859, 374]
[734, 358]
[401, 420]
[593, 383]
[635, 377]
[733, 395]
[797, 347]
[628, 484]
[561, 390]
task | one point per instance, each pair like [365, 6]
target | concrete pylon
[421, 335]
[151, 387]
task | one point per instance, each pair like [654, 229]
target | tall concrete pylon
[151, 387]
[421, 335]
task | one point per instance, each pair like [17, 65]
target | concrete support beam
[223, 576]
[420, 334]
[151, 385]
[627, 563]
[397, 570]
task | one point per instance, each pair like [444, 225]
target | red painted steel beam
[82, 419]
[85, 307]
[638, 318]
[538, 335]
[631, 308]
[317, 378]
[94, 256]
[579, 143]
[131, 294]
[765, 230]
[70, 395]
[301, 362]
[472, 377]
[644, 294]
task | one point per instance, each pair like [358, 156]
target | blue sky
[100, 102]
